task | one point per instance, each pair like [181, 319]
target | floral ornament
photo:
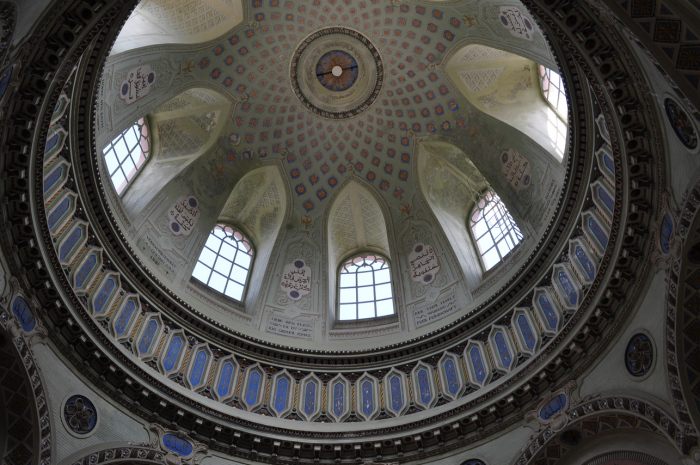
[639, 355]
[80, 414]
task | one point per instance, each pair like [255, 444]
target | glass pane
[347, 312]
[491, 258]
[234, 290]
[239, 274]
[223, 266]
[347, 280]
[365, 310]
[227, 250]
[347, 295]
[111, 160]
[503, 248]
[243, 259]
[385, 307]
[201, 272]
[217, 282]
[485, 243]
[364, 278]
[383, 291]
[131, 138]
[365, 294]
[480, 228]
[119, 180]
[207, 257]
[382, 276]
[213, 243]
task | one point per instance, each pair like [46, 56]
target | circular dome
[336, 72]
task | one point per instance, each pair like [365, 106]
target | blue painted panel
[585, 261]
[606, 199]
[5, 80]
[51, 143]
[178, 445]
[70, 243]
[85, 270]
[225, 380]
[51, 179]
[609, 163]
[338, 398]
[552, 407]
[526, 331]
[281, 395]
[478, 364]
[58, 212]
[424, 386]
[549, 313]
[665, 233]
[568, 287]
[310, 398]
[172, 353]
[200, 363]
[253, 388]
[396, 394]
[598, 232]
[24, 313]
[367, 398]
[503, 350]
[103, 295]
[148, 335]
[451, 375]
[124, 317]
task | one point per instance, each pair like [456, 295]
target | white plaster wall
[60, 381]
[609, 373]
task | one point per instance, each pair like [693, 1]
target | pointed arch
[181, 129]
[257, 207]
[507, 87]
[155, 22]
[359, 265]
[453, 186]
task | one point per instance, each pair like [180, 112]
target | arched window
[494, 229]
[365, 288]
[225, 261]
[126, 154]
[552, 86]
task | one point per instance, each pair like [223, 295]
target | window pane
[365, 279]
[383, 291]
[385, 307]
[496, 236]
[347, 280]
[348, 295]
[365, 310]
[347, 312]
[491, 258]
[124, 155]
[218, 253]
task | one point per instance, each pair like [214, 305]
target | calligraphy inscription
[424, 263]
[183, 216]
[516, 23]
[148, 246]
[291, 328]
[516, 169]
[137, 84]
[296, 279]
[436, 311]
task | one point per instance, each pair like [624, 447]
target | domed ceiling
[318, 129]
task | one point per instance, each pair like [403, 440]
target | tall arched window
[494, 229]
[225, 262]
[365, 288]
[126, 154]
[552, 86]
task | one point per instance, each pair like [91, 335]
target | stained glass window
[225, 262]
[126, 154]
[494, 229]
[365, 288]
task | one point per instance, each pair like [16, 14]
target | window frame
[344, 264]
[512, 228]
[231, 236]
[142, 123]
[561, 91]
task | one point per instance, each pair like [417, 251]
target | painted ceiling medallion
[337, 73]
[336, 70]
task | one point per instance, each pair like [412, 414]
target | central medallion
[336, 72]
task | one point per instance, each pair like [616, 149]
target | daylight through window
[225, 262]
[553, 90]
[126, 154]
[494, 229]
[365, 288]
